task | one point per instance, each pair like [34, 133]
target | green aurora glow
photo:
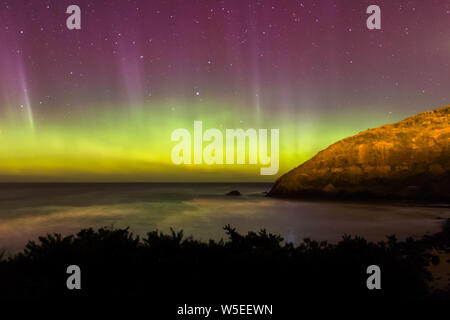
[110, 145]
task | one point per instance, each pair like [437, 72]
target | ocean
[201, 210]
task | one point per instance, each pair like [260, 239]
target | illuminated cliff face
[410, 158]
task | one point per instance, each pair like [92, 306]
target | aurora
[100, 103]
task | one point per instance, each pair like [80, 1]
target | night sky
[100, 103]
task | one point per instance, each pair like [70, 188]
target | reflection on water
[201, 210]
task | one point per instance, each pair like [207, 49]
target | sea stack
[409, 159]
[234, 193]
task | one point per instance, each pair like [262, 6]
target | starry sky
[100, 103]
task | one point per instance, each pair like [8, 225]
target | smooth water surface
[201, 210]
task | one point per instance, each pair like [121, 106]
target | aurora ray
[100, 103]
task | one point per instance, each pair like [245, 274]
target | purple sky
[285, 58]
[315, 50]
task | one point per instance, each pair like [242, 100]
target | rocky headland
[409, 159]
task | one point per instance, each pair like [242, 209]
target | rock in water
[234, 193]
[409, 159]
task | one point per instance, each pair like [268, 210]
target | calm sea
[201, 210]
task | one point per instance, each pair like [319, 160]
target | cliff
[409, 159]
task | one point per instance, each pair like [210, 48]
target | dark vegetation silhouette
[254, 268]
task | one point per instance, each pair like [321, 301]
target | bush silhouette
[260, 265]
